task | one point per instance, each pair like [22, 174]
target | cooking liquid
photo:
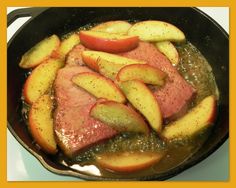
[196, 70]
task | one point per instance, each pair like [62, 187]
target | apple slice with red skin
[91, 59]
[118, 27]
[139, 95]
[169, 50]
[67, 44]
[119, 116]
[99, 86]
[109, 69]
[40, 52]
[108, 42]
[41, 79]
[143, 72]
[41, 124]
[155, 31]
[195, 121]
[128, 161]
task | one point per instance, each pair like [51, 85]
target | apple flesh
[144, 101]
[99, 86]
[169, 50]
[41, 79]
[155, 31]
[108, 69]
[40, 52]
[41, 124]
[199, 118]
[91, 59]
[67, 44]
[108, 42]
[118, 27]
[119, 116]
[142, 72]
[128, 161]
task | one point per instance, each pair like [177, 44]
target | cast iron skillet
[200, 30]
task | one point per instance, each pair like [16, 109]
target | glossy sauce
[196, 70]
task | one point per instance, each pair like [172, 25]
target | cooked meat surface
[74, 57]
[74, 128]
[174, 97]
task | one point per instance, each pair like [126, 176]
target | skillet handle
[24, 12]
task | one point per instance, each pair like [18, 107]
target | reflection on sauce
[196, 70]
[89, 169]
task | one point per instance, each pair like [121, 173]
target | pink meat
[74, 57]
[175, 95]
[74, 128]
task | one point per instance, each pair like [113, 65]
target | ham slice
[175, 95]
[74, 128]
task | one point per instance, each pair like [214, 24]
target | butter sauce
[197, 71]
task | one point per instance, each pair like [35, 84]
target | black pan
[200, 30]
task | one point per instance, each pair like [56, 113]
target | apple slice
[67, 44]
[118, 27]
[128, 161]
[41, 124]
[40, 52]
[108, 69]
[91, 58]
[41, 79]
[144, 101]
[108, 42]
[196, 120]
[169, 50]
[119, 116]
[99, 86]
[155, 31]
[142, 72]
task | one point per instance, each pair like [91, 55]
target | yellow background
[3, 122]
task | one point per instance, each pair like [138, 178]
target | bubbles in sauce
[124, 142]
[196, 70]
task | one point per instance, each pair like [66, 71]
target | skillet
[200, 30]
